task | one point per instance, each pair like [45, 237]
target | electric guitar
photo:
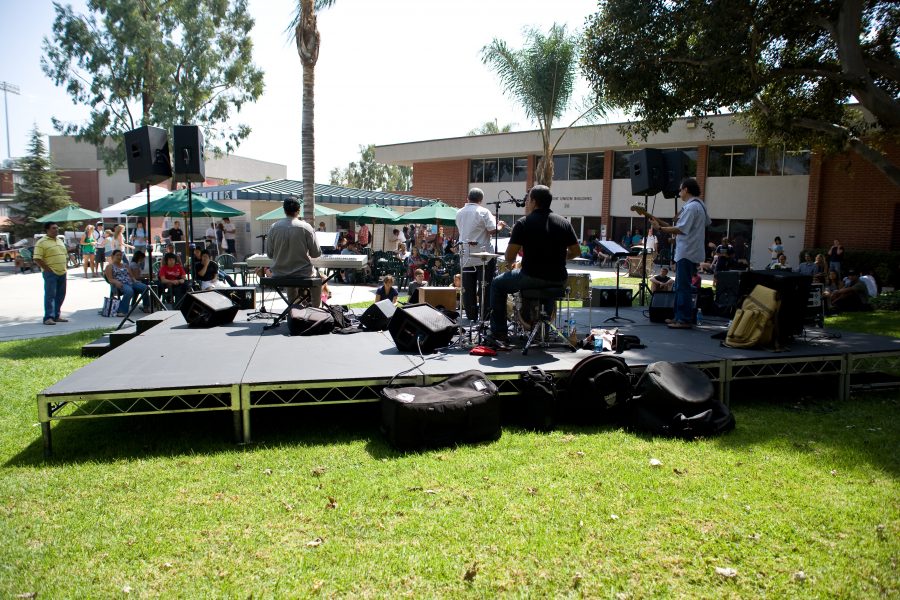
[643, 212]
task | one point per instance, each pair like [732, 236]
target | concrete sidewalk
[22, 301]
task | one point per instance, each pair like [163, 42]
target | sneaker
[498, 343]
[669, 321]
[680, 325]
[121, 314]
[49, 322]
[61, 320]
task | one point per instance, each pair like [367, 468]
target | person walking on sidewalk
[51, 255]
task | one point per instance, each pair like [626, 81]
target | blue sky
[389, 71]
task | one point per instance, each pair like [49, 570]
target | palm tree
[491, 127]
[541, 78]
[306, 35]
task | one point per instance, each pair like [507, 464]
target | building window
[520, 172]
[476, 170]
[595, 165]
[621, 168]
[489, 170]
[577, 167]
[560, 167]
[744, 160]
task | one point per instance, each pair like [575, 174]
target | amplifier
[244, 297]
[606, 296]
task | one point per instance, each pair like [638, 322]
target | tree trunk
[308, 142]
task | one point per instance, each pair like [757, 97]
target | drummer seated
[661, 282]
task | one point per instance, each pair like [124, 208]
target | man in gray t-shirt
[292, 243]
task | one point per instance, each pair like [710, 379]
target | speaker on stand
[147, 157]
[189, 164]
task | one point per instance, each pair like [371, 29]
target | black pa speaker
[675, 169]
[207, 309]
[188, 161]
[662, 307]
[377, 316]
[243, 296]
[147, 154]
[606, 296]
[646, 170]
[416, 326]
[793, 291]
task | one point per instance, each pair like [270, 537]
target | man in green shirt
[51, 255]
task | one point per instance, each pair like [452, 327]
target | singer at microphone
[476, 225]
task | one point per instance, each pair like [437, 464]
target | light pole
[7, 87]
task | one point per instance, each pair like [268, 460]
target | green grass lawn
[801, 500]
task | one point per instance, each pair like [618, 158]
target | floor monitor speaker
[147, 155]
[606, 296]
[646, 170]
[377, 316]
[207, 309]
[662, 307]
[188, 161]
[420, 326]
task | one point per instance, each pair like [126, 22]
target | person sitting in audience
[415, 284]
[173, 276]
[138, 273]
[821, 271]
[208, 272]
[661, 282]
[781, 263]
[807, 267]
[854, 297]
[868, 278]
[119, 276]
[387, 291]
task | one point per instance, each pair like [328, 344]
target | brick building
[751, 193]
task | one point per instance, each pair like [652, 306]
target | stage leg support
[245, 413]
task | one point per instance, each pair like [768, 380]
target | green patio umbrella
[370, 213]
[71, 213]
[278, 213]
[435, 213]
[177, 202]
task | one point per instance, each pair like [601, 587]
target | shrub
[888, 301]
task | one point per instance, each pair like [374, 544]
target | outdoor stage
[241, 368]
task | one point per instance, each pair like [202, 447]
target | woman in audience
[173, 276]
[820, 273]
[208, 272]
[387, 291]
[87, 251]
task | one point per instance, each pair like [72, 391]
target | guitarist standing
[690, 236]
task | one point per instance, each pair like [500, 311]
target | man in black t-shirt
[547, 241]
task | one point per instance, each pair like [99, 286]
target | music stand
[618, 251]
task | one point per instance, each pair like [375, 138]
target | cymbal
[484, 255]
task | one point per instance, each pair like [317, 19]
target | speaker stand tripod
[618, 252]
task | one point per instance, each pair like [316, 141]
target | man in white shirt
[476, 225]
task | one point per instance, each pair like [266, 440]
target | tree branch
[851, 142]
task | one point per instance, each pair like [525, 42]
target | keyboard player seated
[292, 243]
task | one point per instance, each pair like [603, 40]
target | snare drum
[579, 285]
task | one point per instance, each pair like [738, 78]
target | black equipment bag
[676, 400]
[309, 320]
[463, 408]
[535, 406]
[596, 384]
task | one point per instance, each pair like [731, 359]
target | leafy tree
[791, 67]
[490, 127]
[306, 36]
[154, 62]
[40, 192]
[370, 175]
[541, 78]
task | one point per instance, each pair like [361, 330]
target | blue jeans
[128, 293]
[507, 283]
[54, 293]
[684, 292]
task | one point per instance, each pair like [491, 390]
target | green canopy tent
[436, 213]
[70, 214]
[177, 203]
[372, 213]
[278, 213]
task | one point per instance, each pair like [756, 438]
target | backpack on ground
[755, 322]
[596, 388]
[534, 407]
[309, 320]
[676, 400]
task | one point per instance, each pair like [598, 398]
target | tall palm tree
[306, 35]
[541, 78]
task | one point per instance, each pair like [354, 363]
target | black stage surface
[239, 367]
